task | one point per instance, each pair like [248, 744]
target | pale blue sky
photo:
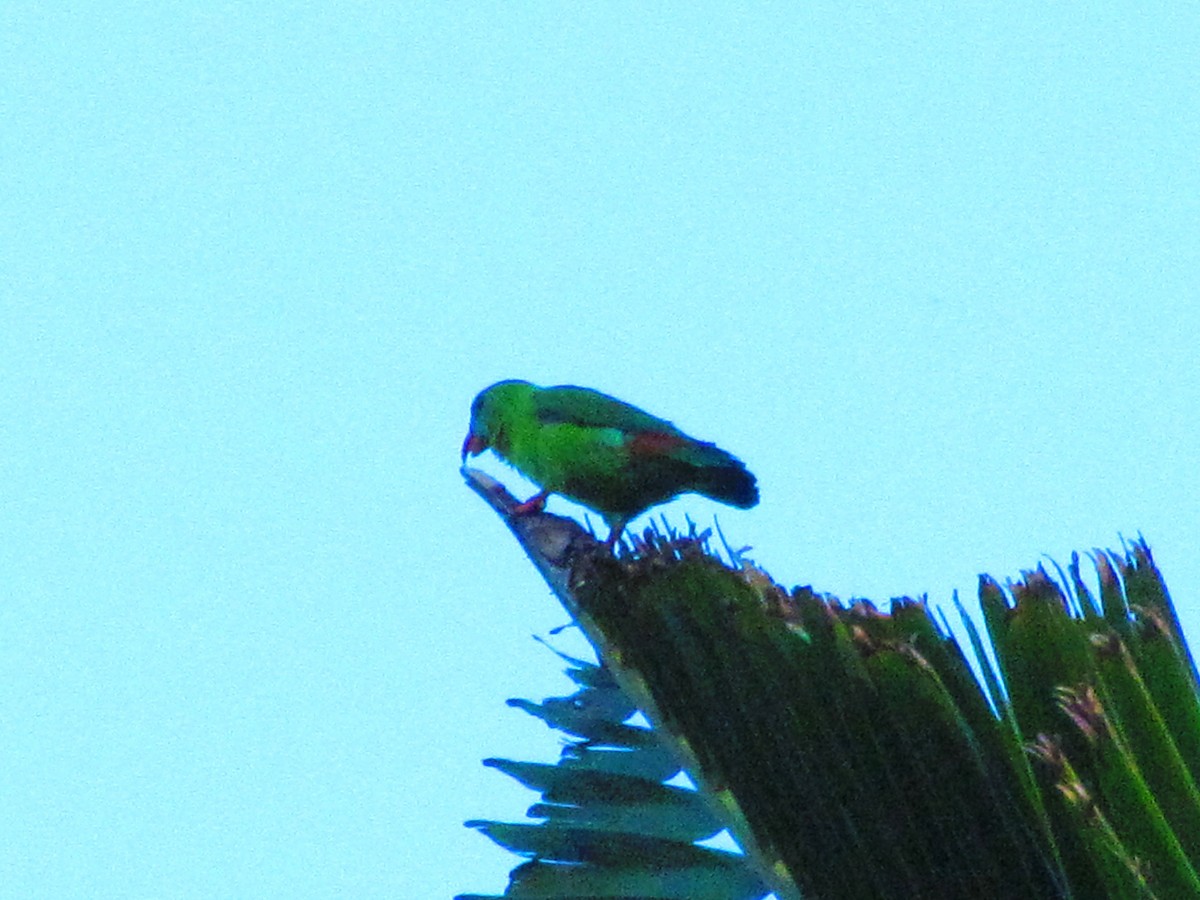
[932, 275]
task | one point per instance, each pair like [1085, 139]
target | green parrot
[600, 452]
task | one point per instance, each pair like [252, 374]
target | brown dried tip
[1048, 750]
[1084, 709]
[1104, 569]
[865, 644]
[1107, 644]
[1151, 624]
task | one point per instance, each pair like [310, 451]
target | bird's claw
[534, 504]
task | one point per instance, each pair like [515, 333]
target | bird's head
[489, 412]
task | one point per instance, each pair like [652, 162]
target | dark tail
[728, 482]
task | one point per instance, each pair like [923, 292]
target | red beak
[473, 445]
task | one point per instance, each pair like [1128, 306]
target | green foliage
[610, 825]
[856, 753]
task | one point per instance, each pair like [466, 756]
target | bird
[601, 452]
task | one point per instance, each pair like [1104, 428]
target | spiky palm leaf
[853, 753]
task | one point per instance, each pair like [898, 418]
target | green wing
[618, 459]
[570, 405]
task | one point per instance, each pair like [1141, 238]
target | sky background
[932, 275]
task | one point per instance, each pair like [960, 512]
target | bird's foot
[614, 532]
[534, 504]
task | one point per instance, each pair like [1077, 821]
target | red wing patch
[655, 443]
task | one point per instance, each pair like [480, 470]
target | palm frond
[856, 753]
